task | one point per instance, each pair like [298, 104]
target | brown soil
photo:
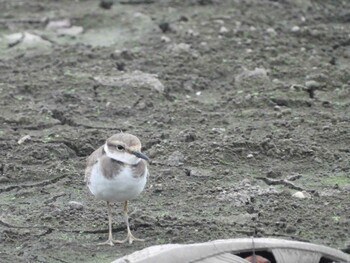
[214, 135]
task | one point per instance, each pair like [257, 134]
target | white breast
[120, 188]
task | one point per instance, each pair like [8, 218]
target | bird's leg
[110, 239]
[130, 236]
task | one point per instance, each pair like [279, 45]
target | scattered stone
[123, 54]
[165, 39]
[132, 80]
[76, 205]
[223, 30]
[219, 21]
[196, 172]
[183, 48]
[301, 195]
[295, 29]
[23, 139]
[277, 108]
[26, 40]
[218, 130]
[176, 159]
[250, 156]
[192, 33]
[57, 24]
[296, 87]
[312, 84]
[245, 183]
[274, 174]
[187, 136]
[70, 31]
[180, 48]
[271, 31]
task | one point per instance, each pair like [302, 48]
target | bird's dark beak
[141, 155]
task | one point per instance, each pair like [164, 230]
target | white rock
[223, 30]
[249, 156]
[271, 31]
[180, 48]
[70, 31]
[295, 29]
[76, 205]
[252, 28]
[26, 39]
[218, 130]
[192, 33]
[256, 73]
[56, 24]
[165, 39]
[197, 172]
[301, 195]
[183, 48]
[219, 21]
[23, 139]
[312, 84]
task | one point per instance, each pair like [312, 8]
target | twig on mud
[284, 182]
[53, 198]
[137, 2]
[2, 222]
[51, 229]
[42, 183]
[294, 177]
[28, 20]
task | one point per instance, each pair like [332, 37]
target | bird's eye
[120, 147]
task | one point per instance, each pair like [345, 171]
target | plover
[117, 172]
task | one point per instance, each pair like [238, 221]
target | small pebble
[165, 39]
[23, 139]
[312, 84]
[271, 31]
[76, 205]
[295, 29]
[301, 195]
[223, 30]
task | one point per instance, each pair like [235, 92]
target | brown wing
[91, 160]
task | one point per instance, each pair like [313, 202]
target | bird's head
[124, 147]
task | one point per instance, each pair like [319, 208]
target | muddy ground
[255, 107]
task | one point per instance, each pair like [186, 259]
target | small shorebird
[117, 172]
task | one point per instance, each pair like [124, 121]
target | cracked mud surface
[212, 135]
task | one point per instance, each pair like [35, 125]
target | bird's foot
[108, 242]
[130, 238]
